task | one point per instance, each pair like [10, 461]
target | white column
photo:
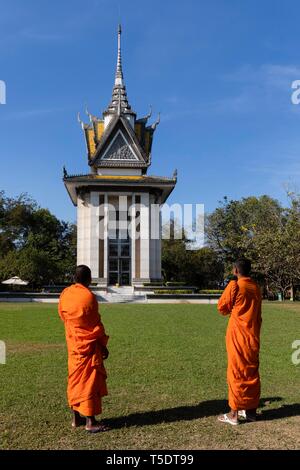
[84, 230]
[105, 255]
[145, 236]
[153, 230]
[80, 231]
[87, 231]
[132, 235]
[94, 234]
[158, 249]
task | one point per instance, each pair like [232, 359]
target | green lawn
[167, 380]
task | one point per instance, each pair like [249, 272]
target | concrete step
[121, 298]
[123, 290]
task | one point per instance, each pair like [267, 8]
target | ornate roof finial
[119, 72]
[80, 121]
[119, 90]
[65, 173]
[149, 114]
[155, 124]
[91, 117]
[175, 174]
[119, 103]
[145, 118]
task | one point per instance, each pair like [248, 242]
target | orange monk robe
[242, 301]
[85, 336]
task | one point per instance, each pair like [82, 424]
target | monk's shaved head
[243, 266]
[83, 275]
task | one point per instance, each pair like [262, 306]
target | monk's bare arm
[227, 299]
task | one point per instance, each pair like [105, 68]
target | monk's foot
[242, 414]
[78, 421]
[97, 427]
[229, 418]
[247, 415]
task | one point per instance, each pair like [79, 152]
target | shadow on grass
[189, 413]
[285, 411]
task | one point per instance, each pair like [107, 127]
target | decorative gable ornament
[119, 149]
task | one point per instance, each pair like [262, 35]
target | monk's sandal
[226, 419]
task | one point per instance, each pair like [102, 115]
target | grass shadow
[181, 413]
[285, 411]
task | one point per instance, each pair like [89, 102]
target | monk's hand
[105, 353]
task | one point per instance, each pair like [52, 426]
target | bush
[175, 283]
[175, 291]
[211, 291]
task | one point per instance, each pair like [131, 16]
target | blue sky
[220, 72]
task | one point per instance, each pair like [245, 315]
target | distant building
[119, 237]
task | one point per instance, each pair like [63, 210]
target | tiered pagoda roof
[118, 139]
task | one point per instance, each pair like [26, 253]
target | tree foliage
[34, 244]
[199, 267]
[259, 228]
[262, 230]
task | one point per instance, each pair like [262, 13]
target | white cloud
[266, 75]
[262, 89]
[287, 168]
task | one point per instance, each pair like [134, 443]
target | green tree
[278, 250]
[232, 227]
[175, 259]
[198, 267]
[30, 264]
[264, 231]
[207, 270]
[16, 218]
[34, 244]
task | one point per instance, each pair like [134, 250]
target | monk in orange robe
[86, 343]
[242, 301]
